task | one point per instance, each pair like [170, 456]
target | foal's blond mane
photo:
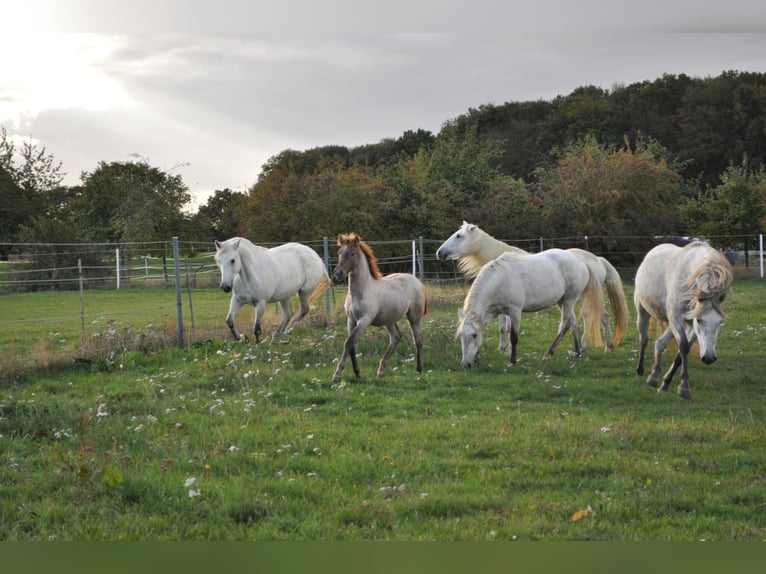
[372, 260]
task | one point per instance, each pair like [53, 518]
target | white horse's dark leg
[514, 335]
[684, 346]
[304, 309]
[260, 307]
[567, 318]
[287, 313]
[677, 361]
[642, 325]
[234, 306]
[394, 336]
[575, 326]
[606, 325]
[659, 349]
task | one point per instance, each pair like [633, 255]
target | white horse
[256, 276]
[473, 247]
[375, 299]
[513, 283]
[682, 287]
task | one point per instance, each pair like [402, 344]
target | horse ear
[217, 245]
[235, 243]
[487, 318]
[356, 239]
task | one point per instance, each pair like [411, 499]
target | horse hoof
[336, 378]
[651, 381]
[684, 393]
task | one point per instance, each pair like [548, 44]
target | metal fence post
[327, 266]
[179, 303]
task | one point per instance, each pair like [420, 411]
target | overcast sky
[215, 107]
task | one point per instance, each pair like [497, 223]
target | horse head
[348, 256]
[707, 317]
[470, 331]
[706, 290]
[455, 246]
[228, 261]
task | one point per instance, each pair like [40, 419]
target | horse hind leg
[568, 320]
[287, 313]
[302, 312]
[417, 336]
[606, 325]
[642, 325]
[395, 335]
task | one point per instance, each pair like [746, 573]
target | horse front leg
[260, 308]
[505, 332]
[394, 336]
[514, 335]
[659, 348]
[682, 360]
[234, 307]
[349, 350]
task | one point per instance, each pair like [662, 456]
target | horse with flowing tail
[683, 288]
[473, 247]
[513, 284]
[375, 299]
[256, 276]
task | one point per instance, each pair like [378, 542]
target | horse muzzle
[442, 254]
[709, 359]
[339, 275]
[226, 288]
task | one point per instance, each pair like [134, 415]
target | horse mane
[469, 306]
[372, 260]
[709, 282]
[491, 248]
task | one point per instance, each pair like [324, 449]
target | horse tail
[616, 295]
[321, 287]
[592, 308]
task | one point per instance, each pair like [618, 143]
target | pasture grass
[231, 441]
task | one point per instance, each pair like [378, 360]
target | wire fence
[52, 266]
[47, 314]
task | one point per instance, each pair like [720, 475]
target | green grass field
[228, 441]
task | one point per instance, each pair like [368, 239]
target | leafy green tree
[131, 202]
[732, 213]
[30, 185]
[219, 218]
[609, 195]
[461, 175]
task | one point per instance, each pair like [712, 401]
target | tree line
[675, 156]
